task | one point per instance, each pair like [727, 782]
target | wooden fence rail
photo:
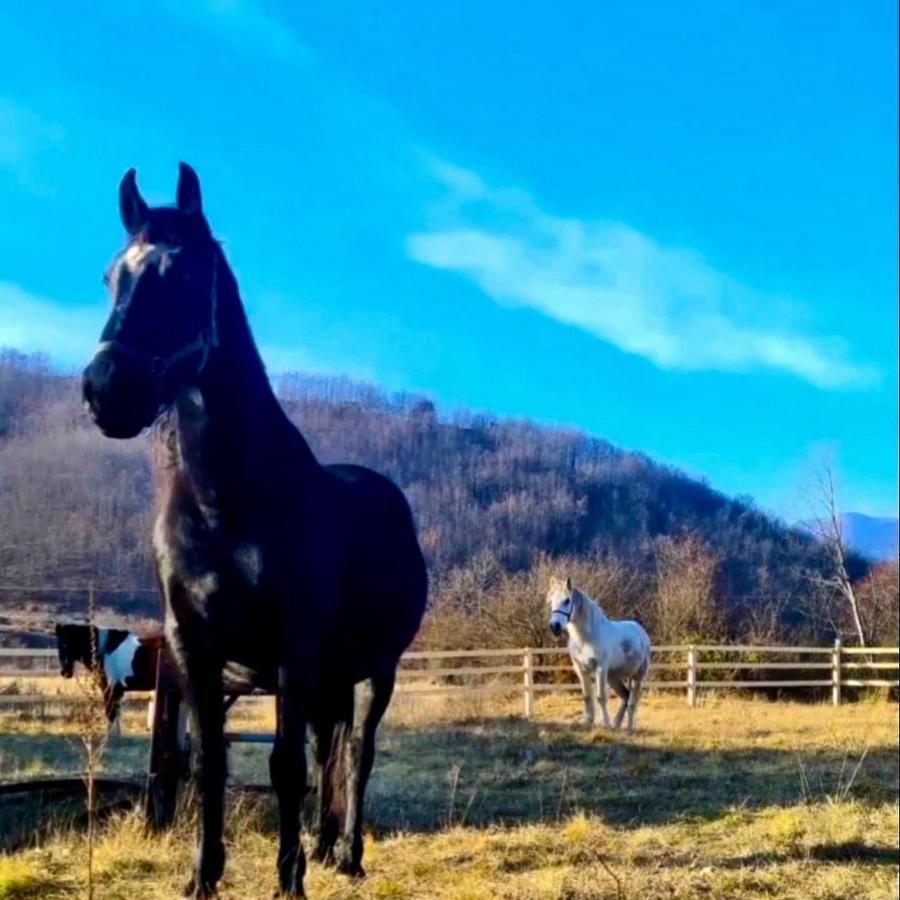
[534, 670]
[520, 671]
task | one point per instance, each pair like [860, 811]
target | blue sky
[672, 226]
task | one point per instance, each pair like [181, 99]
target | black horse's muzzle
[119, 393]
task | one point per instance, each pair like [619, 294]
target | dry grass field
[736, 799]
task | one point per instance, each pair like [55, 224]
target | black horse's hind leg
[325, 824]
[205, 701]
[371, 698]
[329, 728]
[287, 767]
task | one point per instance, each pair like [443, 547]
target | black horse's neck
[234, 384]
[232, 421]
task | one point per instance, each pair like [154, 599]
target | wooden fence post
[692, 677]
[167, 742]
[528, 682]
[836, 673]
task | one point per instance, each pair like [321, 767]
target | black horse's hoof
[323, 854]
[290, 890]
[350, 868]
[290, 878]
[348, 859]
[194, 891]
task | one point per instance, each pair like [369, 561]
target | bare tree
[880, 594]
[827, 527]
[686, 606]
[93, 732]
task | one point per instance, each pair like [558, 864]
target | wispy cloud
[38, 325]
[246, 24]
[663, 303]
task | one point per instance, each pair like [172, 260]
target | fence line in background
[529, 676]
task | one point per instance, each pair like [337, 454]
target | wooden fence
[530, 671]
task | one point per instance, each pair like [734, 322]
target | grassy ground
[738, 798]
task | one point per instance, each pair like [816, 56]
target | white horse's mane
[584, 596]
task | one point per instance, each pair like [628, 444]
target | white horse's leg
[620, 686]
[587, 694]
[635, 696]
[602, 679]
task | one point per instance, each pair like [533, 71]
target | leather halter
[559, 611]
[204, 342]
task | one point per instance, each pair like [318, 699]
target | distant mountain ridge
[875, 537]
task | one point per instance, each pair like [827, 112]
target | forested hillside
[492, 500]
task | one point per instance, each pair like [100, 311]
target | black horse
[310, 575]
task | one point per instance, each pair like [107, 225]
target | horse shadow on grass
[846, 851]
[512, 771]
[42, 783]
[507, 772]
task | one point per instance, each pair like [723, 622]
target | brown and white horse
[127, 661]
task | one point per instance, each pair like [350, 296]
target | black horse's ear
[132, 208]
[187, 196]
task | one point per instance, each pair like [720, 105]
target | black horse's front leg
[287, 767]
[208, 762]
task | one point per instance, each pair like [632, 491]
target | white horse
[616, 653]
